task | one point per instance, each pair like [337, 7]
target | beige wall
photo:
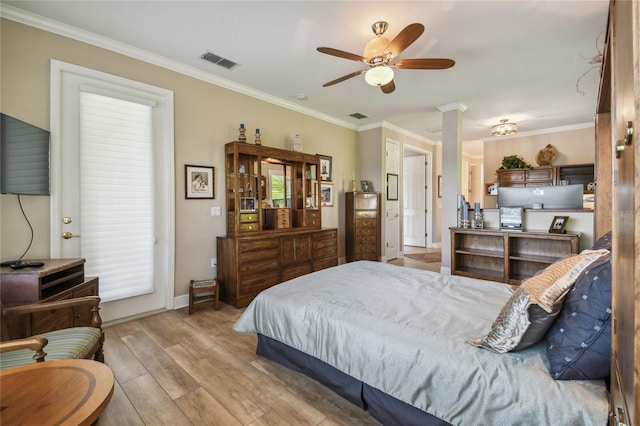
[206, 117]
[572, 147]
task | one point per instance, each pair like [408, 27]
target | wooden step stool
[202, 294]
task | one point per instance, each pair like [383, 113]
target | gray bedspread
[403, 331]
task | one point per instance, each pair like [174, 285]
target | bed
[395, 341]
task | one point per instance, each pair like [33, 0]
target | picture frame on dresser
[558, 224]
[326, 194]
[199, 182]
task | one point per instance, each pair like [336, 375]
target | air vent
[218, 60]
[358, 115]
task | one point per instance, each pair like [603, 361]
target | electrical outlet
[214, 262]
[215, 211]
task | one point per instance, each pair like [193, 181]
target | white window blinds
[116, 194]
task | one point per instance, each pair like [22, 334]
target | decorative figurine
[243, 136]
[258, 141]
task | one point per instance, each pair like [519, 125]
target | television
[548, 197]
[24, 158]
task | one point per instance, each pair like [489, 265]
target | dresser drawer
[247, 227]
[248, 217]
[261, 244]
[362, 232]
[366, 214]
[366, 256]
[326, 236]
[366, 240]
[366, 223]
[367, 248]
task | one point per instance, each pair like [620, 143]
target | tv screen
[550, 197]
[24, 158]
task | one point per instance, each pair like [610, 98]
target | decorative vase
[258, 141]
[297, 143]
[243, 136]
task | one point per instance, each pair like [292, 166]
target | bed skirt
[386, 409]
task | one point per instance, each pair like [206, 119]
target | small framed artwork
[439, 186]
[199, 182]
[247, 204]
[364, 184]
[325, 168]
[557, 224]
[392, 187]
[326, 194]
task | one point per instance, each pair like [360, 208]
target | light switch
[215, 211]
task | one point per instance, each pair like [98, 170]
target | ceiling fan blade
[424, 64]
[343, 78]
[389, 87]
[408, 35]
[341, 54]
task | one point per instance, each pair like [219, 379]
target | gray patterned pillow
[519, 324]
[531, 309]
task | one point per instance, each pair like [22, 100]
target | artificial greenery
[514, 162]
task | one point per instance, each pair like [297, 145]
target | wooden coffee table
[73, 392]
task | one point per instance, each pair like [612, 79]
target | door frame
[428, 179]
[166, 156]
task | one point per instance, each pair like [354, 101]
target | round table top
[74, 391]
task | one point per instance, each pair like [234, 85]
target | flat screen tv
[550, 197]
[24, 158]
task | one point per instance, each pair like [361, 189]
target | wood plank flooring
[178, 369]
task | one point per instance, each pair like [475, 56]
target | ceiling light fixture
[504, 128]
[378, 76]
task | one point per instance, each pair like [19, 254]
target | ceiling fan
[380, 52]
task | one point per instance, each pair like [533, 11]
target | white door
[392, 223]
[112, 186]
[414, 205]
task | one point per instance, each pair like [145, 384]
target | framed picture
[247, 204]
[392, 186]
[557, 224]
[364, 184]
[199, 182]
[326, 194]
[439, 186]
[325, 168]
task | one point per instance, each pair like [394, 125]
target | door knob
[67, 235]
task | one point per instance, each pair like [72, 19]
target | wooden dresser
[252, 263]
[362, 226]
[58, 279]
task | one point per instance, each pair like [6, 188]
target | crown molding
[393, 127]
[52, 26]
[452, 106]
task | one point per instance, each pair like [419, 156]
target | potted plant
[514, 162]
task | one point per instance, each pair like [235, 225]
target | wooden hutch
[274, 225]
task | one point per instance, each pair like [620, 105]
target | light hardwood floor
[178, 369]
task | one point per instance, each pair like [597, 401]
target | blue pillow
[579, 340]
[603, 242]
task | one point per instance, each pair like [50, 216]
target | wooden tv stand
[507, 256]
[58, 279]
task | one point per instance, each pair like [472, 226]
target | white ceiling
[520, 60]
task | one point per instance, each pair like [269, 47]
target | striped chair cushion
[68, 343]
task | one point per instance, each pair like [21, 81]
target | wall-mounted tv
[549, 197]
[24, 158]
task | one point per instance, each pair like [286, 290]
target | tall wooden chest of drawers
[362, 226]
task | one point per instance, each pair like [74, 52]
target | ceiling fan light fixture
[504, 128]
[378, 76]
